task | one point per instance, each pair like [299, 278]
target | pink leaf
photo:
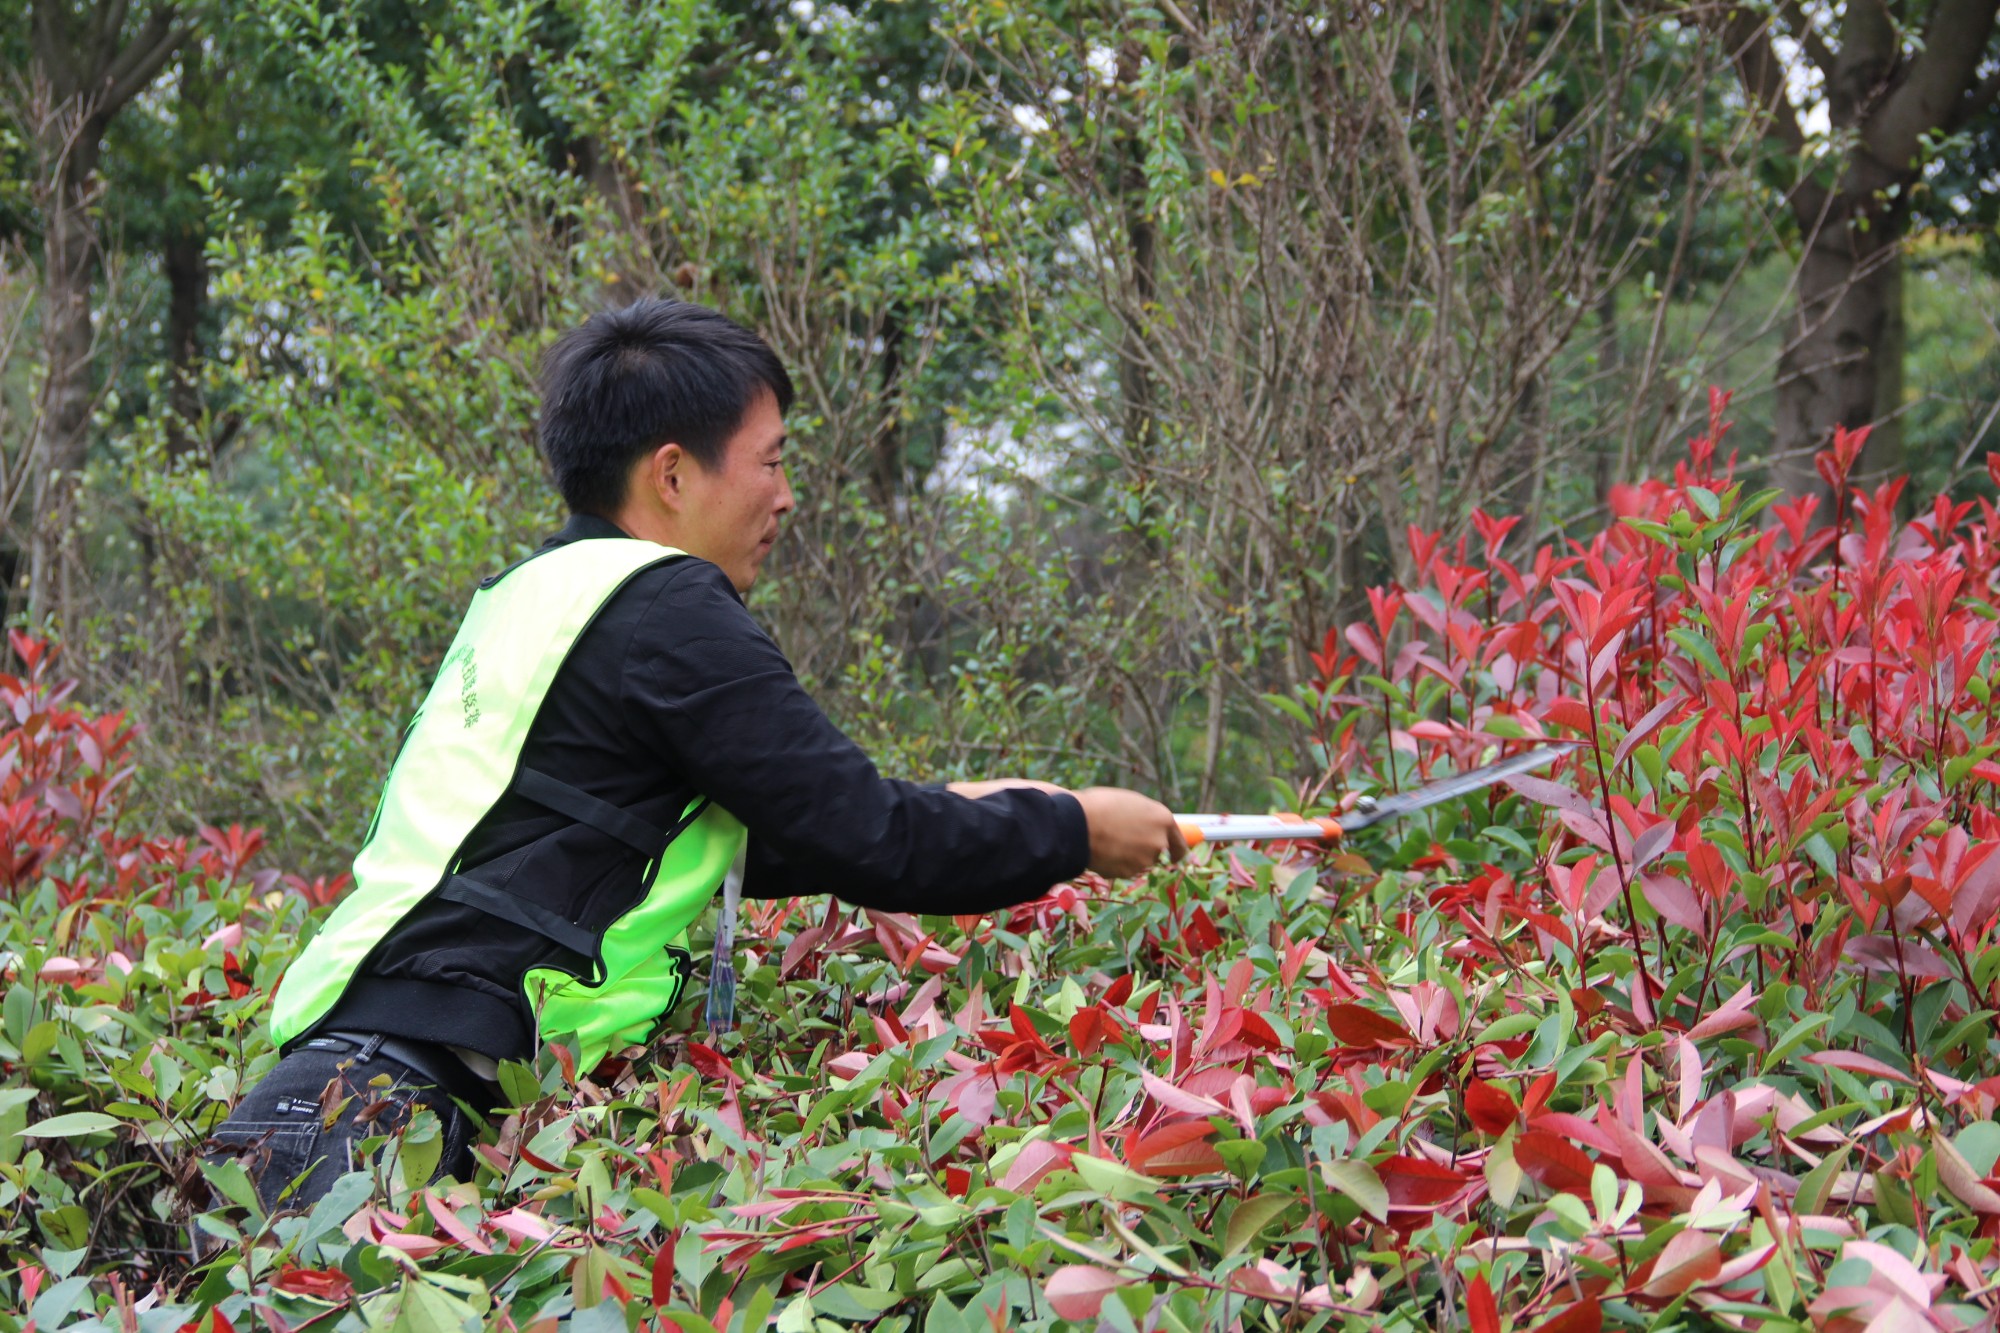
[1674, 901]
[1036, 1159]
[1690, 1072]
[1077, 1291]
[449, 1224]
[1588, 827]
[522, 1225]
[1645, 727]
[1543, 792]
[1856, 1063]
[1891, 1272]
[1648, 846]
[1166, 1094]
[417, 1247]
[1691, 1257]
[1734, 1013]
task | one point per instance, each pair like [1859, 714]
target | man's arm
[711, 691]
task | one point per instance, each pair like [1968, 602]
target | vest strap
[647, 839]
[527, 915]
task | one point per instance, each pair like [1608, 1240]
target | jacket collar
[582, 527]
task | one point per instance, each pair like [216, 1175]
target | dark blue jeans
[308, 1116]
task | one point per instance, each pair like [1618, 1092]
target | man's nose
[786, 501]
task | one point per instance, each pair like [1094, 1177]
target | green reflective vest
[460, 755]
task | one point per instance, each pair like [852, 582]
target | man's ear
[665, 468]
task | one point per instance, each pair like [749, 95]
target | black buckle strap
[584, 808]
[559, 796]
[527, 915]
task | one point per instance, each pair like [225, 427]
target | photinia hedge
[1694, 1030]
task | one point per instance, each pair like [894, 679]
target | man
[609, 738]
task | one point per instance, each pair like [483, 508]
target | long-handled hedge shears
[1367, 812]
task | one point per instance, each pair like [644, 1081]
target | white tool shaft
[1253, 828]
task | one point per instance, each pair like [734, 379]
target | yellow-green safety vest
[461, 754]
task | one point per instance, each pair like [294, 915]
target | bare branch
[106, 32]
[1955, 43]
[141, 60]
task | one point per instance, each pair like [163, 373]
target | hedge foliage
[1696, 1030]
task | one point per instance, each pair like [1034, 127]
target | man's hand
[1128, 832]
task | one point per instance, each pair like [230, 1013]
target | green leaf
[1250, 1218]
[1359, 1182]
[421, 1148]
[1500, 1029]
[519, 1084]
[1818, 1184]
[233, 1183]
[1114, 1179]
[69, 1126]
[1290, 707]
[41, 1040]
[1503, 1174]
[426, 1309]
[1979, 1144]
[1794, 1036]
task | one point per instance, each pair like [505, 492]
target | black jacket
[673, 691]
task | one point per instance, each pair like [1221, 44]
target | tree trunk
[886, 462]
[186, 263]
[1891, 81]
[1134, 376]
[1884, 454]
[62, 424]
[85, 71]
[1836, 346]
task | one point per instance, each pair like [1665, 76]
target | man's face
[730, 513]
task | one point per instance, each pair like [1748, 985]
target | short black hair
[630, 380]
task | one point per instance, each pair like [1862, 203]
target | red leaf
[1553, 1162]
[708, 1062]
[1180, 1148]
[1489, 1108]
[1077, 1291]
[663, 1271]
[1200, 934]
[1481, 1310]
[1569, 712]
[1090, 1028]
[1356, 1025]
[1586, 1316]
[1414, 1183]
[1255, 1031]
[1119, 990]
[325, 1284]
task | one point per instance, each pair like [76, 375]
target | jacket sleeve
[719, 701]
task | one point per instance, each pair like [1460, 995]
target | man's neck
[647, 525]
